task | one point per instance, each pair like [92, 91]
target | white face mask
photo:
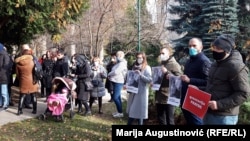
[118, 59]
[139, 61]
[164, 57]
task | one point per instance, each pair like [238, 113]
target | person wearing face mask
[169, 66]
[108, 83]
[228, 83]
[195, 73]
[117, 77]
[98, 75]
[137, 103]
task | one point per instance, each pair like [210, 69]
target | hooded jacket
[24, 67]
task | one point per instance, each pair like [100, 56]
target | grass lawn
[91, 128]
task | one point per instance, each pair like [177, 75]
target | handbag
[95, 83]
[88, 85]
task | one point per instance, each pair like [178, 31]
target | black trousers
[165, 114]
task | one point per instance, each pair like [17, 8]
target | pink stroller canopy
[70, 84]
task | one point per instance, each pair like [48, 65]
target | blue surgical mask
[193, 51]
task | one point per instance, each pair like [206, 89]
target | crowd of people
[225, 78]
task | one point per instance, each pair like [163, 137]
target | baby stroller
[61, 99]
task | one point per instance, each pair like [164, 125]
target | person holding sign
[195, 73]
[165, 112]
[137, 103]
[228, 83]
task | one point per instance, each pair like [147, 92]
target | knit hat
[225, 42]
[1, 47]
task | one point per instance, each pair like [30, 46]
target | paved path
[9, 115]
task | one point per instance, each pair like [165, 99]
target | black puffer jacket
[228, 84]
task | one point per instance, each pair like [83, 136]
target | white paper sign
[174, 90]
[132, 81]
[157, 77]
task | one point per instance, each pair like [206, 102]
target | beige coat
[24, 67]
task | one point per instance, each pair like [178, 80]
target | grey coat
[137, 104]
[98, 76]
[228, 84]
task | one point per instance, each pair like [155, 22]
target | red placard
[196, 101]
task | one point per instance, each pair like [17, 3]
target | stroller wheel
[71, 114]
[42, 117]
[60, 118]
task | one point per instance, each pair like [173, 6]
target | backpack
[37, 71]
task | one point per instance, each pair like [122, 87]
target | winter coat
[47, 66]
[196, 68]
[137, 104]
[83, 72]
[61, 68]
[5, 67]
[228, 84]
[98, 76]
[108, 83]
[173, 67]
[118, 72]
[24, 67]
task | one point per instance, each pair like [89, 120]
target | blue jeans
[117, 88]
[211, 119]
[4, 95]
[191, 119]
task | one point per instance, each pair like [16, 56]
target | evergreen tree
[205, 19]
[244, 21]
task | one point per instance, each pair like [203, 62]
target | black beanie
[225, 42]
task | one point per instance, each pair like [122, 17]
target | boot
[34, 100]
[91, 101]
[100, 105]
[79, 106]
[87, 109]
[20, 104]
[111, 97]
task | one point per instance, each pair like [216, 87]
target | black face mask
[219, 55]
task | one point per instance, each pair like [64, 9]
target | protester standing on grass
[137, 103]
[24, 69]
[108, 83]
[228, 83]
[195, 73]
[98, 75]
[82, 74]
[169, 66]
[5, 68]
[117, 76]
